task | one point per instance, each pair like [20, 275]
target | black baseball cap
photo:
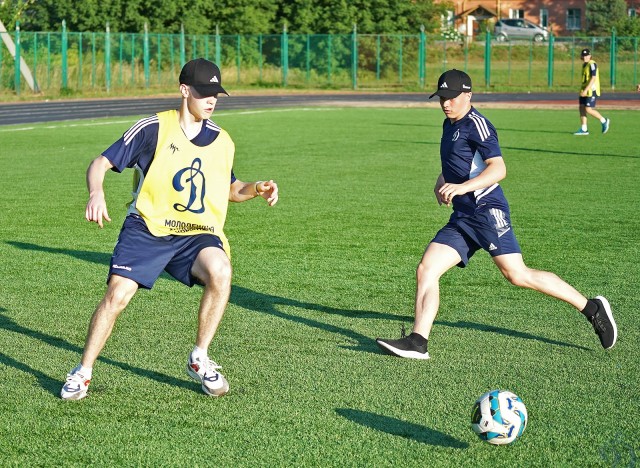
[451, 83]
[585, 52]
[203, 76]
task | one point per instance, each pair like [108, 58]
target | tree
[602, 15]
[232, 16]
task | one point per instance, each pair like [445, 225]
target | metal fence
[104, 62]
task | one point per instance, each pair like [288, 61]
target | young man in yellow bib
[589, 92]
[184, 182]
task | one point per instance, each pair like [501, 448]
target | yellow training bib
[186, 189]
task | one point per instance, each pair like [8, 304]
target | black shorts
[142, 257]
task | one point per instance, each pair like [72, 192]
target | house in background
[560, 17]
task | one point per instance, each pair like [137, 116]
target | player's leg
[212, 268]
[120, 290]
[517, 273]
[583, 119]
[591, 110]
[437, 259]
[119, 293]
[597, 310]
[137, 261]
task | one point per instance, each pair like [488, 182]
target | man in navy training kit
[589, 92]
[183, 184]
[472, 166]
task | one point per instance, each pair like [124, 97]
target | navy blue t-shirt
[464, 148]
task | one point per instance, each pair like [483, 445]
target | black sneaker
[404, 347]
[603, 323]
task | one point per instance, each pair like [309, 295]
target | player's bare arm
[96, 209]
[495, 171]
[242, 191]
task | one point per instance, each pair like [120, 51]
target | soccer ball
[499, 417]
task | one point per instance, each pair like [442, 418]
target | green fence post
[487, 59]
[107, 58]
[509, 63]
[120, 59]
[182, 51]
[284, 45]
[80, 61]
[218, 46]
[354, 58]
[159, 58]
[93, 60]
[613, 58]
[36, 88]
[64, 54]
[378, 57]
[530, 60]
[573, 54]
[145, 52]
[329, 57]
[260, 58]
[48, 60]
[16, 61]
[308, 58]
[444, 54]
[238, 58]
[635, 60]
[423, 39]
[550, 62]
[401, 40]
[133, 59]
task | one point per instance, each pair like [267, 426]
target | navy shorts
[489, 229]
[588, 101]
[142, 257]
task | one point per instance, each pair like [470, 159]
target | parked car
[518, 28]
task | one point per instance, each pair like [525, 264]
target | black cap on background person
[452, 83]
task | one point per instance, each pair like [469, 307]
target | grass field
[316, 279]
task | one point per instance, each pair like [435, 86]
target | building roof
[480, 12]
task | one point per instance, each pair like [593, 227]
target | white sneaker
[206, 372]
[76, 386]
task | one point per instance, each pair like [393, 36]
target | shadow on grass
[258, 302]
[53, 385]
[398, 427]
[267, 303]
[507, 332]
[574, 153]
[528, 150]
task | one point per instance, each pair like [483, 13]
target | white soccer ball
[499, 417]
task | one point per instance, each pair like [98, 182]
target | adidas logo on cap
[443, 85]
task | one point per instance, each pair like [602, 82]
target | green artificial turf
[316, 279]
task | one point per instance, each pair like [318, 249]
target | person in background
[589, 92]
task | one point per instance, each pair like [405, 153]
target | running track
[49, 111]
